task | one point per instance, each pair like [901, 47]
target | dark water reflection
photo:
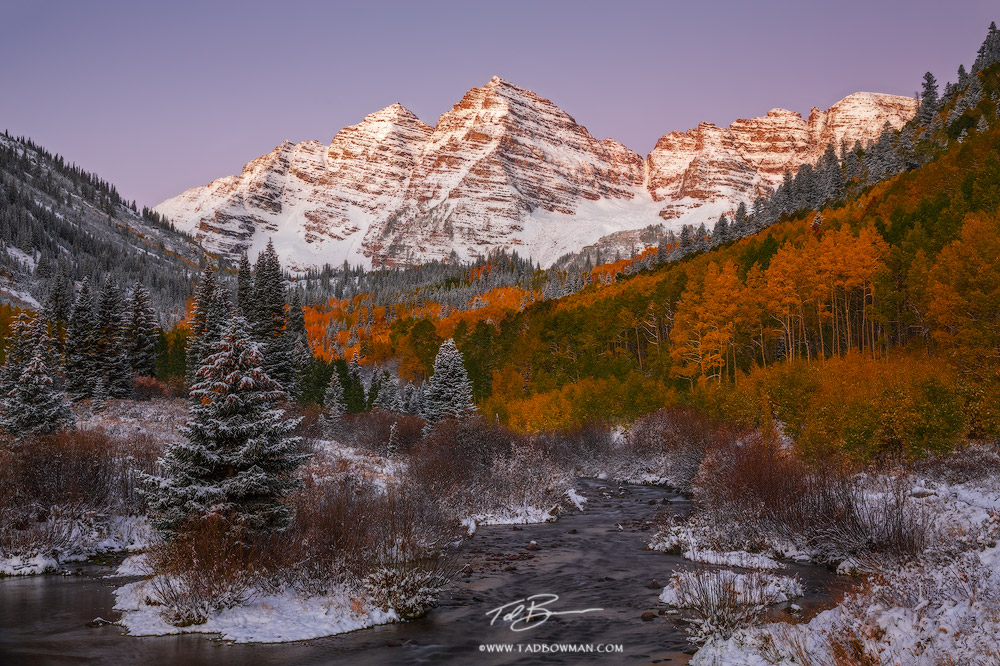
[594, 559]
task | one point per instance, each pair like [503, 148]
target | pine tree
[269, 318]
[392, 446]
[59, 303]
[33, 405]
[928, 100]
[82, 368]
[449, 391]
[720, 234]
[112, 356]
[244, 289]
[388, 397]
[19, 351]
[355, 396]
[140, 333]
[239, 459]
[210, 313]
[297, 340]
[334, 406]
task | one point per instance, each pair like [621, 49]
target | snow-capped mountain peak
[503, 168]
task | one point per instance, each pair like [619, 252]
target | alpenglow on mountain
[503, 169]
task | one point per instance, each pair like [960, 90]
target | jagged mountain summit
[504, 168]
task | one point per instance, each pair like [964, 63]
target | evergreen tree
[355, 396]
[140, 333]
[334, 406]
[388, 398]
[244, 290]
[270, 321]
[297, 340]
[392, 446]
[59, 303]
[413, 399]
[112, 356]
[928, 100]
[19, 351]
[209, 315]
[33, 405]
[82, 368]
[239, 459]
[449, 391]
[720, 234]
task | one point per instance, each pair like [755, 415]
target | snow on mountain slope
[504, 168]
[750, 157]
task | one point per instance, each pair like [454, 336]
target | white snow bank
[733, 558]
[27, 566]
[756, 588]
[265, 619]
[518, 515]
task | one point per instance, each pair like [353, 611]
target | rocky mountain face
[712, 164]
[504, 168]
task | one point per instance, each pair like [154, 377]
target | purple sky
[158, 100]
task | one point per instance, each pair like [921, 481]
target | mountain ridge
[504, 168]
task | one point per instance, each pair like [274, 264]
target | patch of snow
[754, 588]
[577, 499]
[265, 619]
[27, 566]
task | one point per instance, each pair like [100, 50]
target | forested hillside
[858, 304]
[59, 223]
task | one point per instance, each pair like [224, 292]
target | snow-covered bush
[409, 586]
[757, 494]
[719, 602]
[59, 493]
[202, 571]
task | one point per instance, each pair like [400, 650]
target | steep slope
[504, 168]
[711, 164]
[56, 217]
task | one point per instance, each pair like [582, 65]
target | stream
[593, 559]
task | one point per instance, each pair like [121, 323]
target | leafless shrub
[145, 389]
[756, 491]
[675, 440]
[201, 571]
[409, 586]
[344, 531]
[970, 462]
[50, 484]
[583, 451]
[721, 601]
[372, 431]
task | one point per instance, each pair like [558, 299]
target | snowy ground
[264, 619]
[941, 608]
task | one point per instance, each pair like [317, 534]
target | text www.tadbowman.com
[527, 648]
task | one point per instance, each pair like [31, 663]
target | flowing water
[593, 559]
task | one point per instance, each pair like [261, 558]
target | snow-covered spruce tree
[239, 457]
[449, 391]
[33, 405]
[18, 354]
[209, 315]
[244, 289]
[388, 398]
[297, 340]
[270, 319]
[140, 333]
[333, 399]
[334, 406]
[112, 357]
[82, 367]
